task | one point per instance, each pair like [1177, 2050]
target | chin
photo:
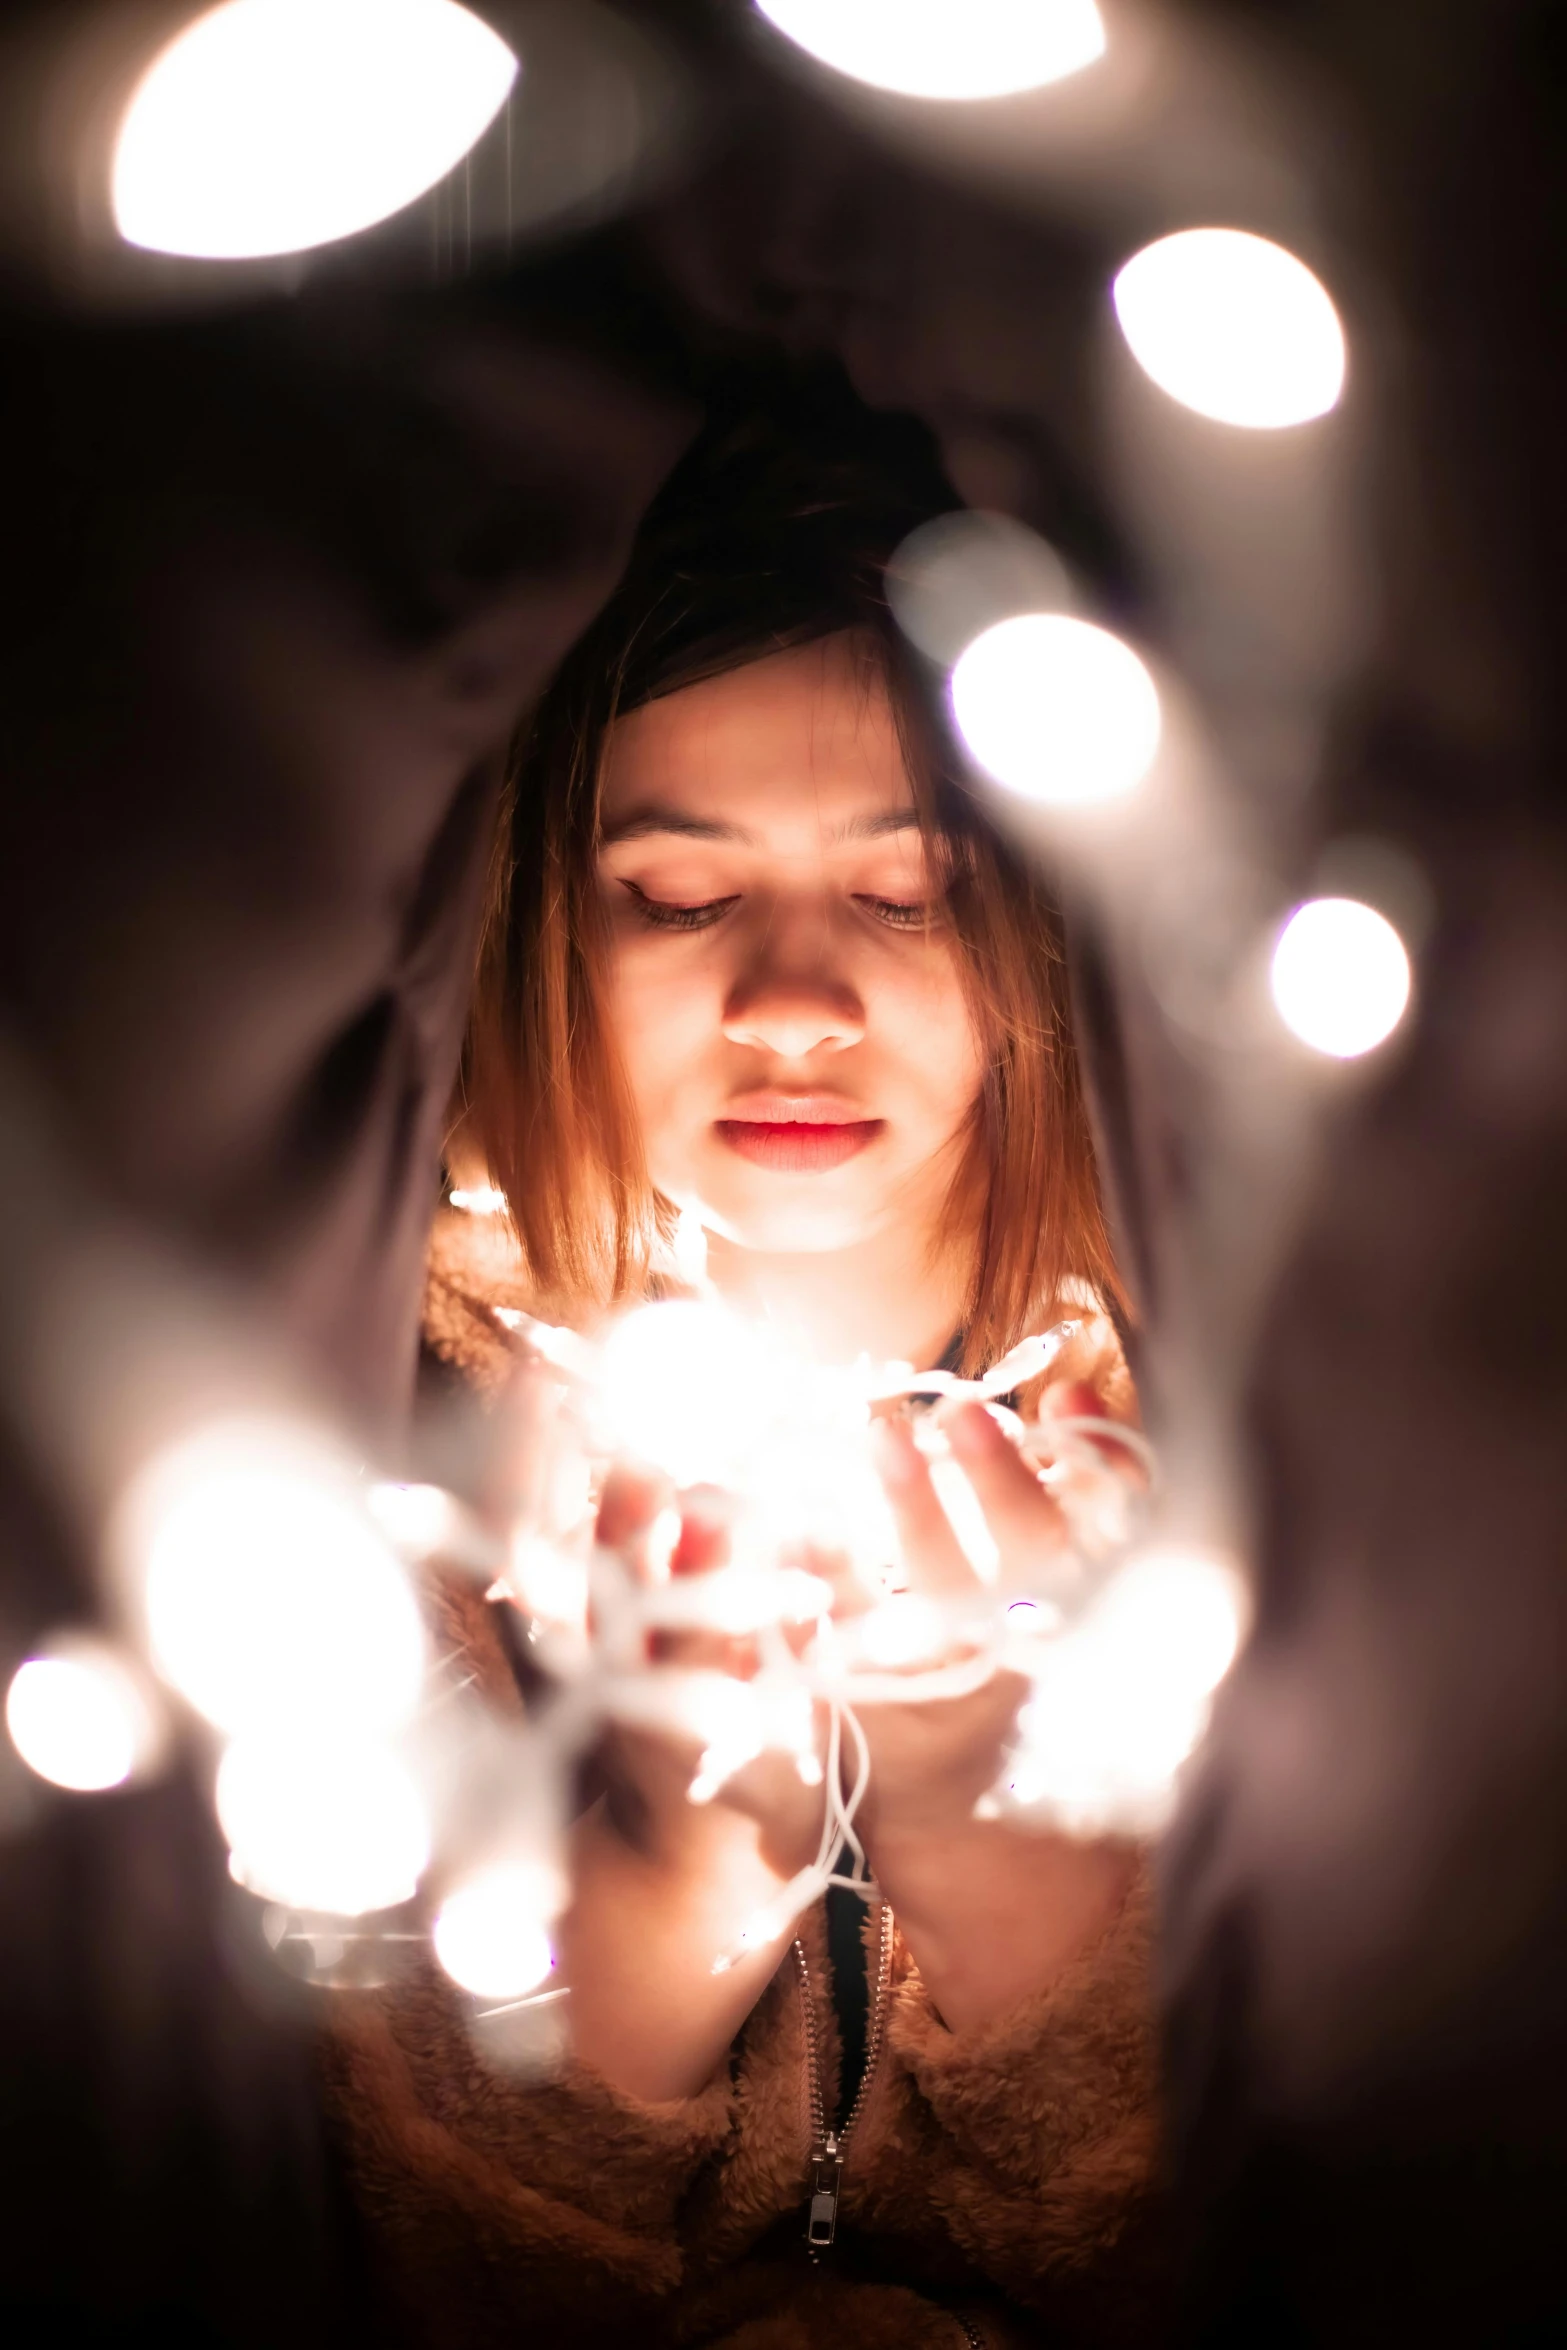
[790, 1226]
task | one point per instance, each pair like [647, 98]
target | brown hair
[771, 534]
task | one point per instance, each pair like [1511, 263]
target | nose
[793, 1010]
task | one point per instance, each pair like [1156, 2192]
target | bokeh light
[1177, 1611]
[270, 1595]
[1059, 711]
[78, 1718]
[906, 1629]
[478, 1199]
[1234, 327]
[421, 1520]
[269, 126]
[952, 49]
[1120, 1702]
[331, 1824]
[1341, 977]
[491, 1934]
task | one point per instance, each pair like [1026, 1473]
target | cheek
[663, 1019]
[928, 1024]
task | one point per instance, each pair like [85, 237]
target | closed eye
[659, 915]
[897, 914]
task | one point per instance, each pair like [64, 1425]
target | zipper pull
[826, 2174]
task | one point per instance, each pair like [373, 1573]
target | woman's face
[783, 991]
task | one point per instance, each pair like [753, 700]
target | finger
[706, 1520]
[1021, 1515]
[638, 1519]
[632, 1520]
[932, 1553]
[1074, 1399]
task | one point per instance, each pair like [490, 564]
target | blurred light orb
[270, 126]
[1174, 1613]
[906, 1630]
[1057, 710]
[77, 1717]
[490, 1935]
[1234, 327]
[478, 1199]
[1341, 977]
[1121, 1700]
[270, 1595]
[956, 575]
[953, 49]
[419, 1520]
[323, 1823]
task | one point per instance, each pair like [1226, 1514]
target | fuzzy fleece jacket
[1000, 2188]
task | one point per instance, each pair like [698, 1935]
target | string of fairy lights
[273, 1592]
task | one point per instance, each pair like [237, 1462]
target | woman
[755, 954]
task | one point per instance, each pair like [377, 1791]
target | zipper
[827, 2146]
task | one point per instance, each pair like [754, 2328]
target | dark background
[278, 580]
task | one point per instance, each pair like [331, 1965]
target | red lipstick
[797, 1134]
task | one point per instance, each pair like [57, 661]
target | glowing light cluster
[1121, 1699]
[275, 1607]
[695, 1390]
[335, 1824]
[79, 1717]
[491, 1933]
[274, 1603]
[269, 1593]
[945, 49]
[270, 126]
[1059, 711]
[1234, 327]
[1341, 977]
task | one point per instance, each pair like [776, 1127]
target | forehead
[803, 741]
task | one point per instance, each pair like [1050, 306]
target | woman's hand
[650, 1772]
[662, 1887]
[991, 1910]
[932, 1760]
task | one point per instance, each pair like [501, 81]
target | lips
[797, 1134]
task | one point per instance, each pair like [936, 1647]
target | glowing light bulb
[966, 1516]
[269, 1594]
[1059, 711]
[323, 1823]
[949, 49]
[479, 1199]
[549, 1583]
[78, 1718]
[907, 1629]
[269, 126]
[739, 1599]
[1341, 977]
[418, 1519]
[1234, 327]
[491, 1934]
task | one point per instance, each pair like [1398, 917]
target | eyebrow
[642, 823]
